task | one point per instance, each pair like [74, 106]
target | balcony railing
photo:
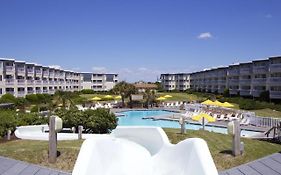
[233, 81]
[245, 81]
[233, 72]
[275, 80]
[245, 71]
[233, 91]
[30, 71]
[9, 68]
[9, 81]
[30, 91]
[245, 92]
[275, 67]
[10, 92]
[38, 91]
[38, 82]
[259, 80]
[45, 91]
[21, 82]
[29, 82]
[21, 70]
[275, 94]
[260, 69]
[45, 74]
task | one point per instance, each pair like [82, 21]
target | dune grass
[219, 145]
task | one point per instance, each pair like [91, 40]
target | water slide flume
[143, 151]
[138, 150]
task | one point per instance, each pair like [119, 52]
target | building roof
[145, 86]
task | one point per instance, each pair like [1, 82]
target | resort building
[20, 78]
[98, 82]
[244, 79]
[180, 82]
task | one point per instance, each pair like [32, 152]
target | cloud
[268, 16]
[99, 69]
[205, 35]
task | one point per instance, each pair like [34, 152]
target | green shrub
[32, 98]
[24, 119]
[87, 91]
[93, 121]
[8, 121]
[8, 98]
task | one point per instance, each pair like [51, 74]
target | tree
[64, 99]
[125, 90]
[149, 96]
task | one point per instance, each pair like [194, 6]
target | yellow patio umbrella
[218, 103]
[228, 105]
[168, 96]
[118, 97]
[199, 117]
[204, 119]
[96, 98]
[108, 96]
[208, 102]
[161, 98]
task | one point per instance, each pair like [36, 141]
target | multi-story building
[244, 79]
[20, 78]
[99, 82]
[179, 81]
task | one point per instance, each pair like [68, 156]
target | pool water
[135, 118]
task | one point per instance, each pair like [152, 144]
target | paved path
[269, 165]
[14, 167]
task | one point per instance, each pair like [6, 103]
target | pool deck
[15, 167]
[176, 118]
[269, 165]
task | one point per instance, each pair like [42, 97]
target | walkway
[14, 167]
[269, 165]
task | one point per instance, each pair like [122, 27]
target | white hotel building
[20, 78]
[245, 79]
[99, 81]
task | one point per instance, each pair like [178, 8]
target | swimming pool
[135, 118]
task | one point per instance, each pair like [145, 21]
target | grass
[219, 145]
[90, 96]
[181, 96]
[268, 113]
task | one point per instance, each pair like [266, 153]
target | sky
[139, 39]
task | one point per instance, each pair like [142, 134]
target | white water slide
[143, 151]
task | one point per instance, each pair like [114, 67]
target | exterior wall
[20, 79]
[99, 82]
[179, 82]
[245, 79]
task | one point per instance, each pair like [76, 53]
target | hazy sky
[139, 39]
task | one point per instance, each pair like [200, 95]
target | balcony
[29, 82]
[21, 82]
[21, 93]
[30, 91]
[234, 81]
[51, 74]
[233, 91]
[275, 94]
[256, 93]
[260, 69]
[38, 91]
[259, 81]
[245, 92]
[233, 72]
[245, 81]
[38, 82]
[21, 70]
[275, 67]
[45, 74]
[10, 82]
[9, 69]
[30, 71]
[245, 71]
[10, 92]
[45, 82]
[275, 80]
[45, 91]
[221, 81]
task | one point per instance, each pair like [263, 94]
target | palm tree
[64, 98]
[149, 96]
[125, 90]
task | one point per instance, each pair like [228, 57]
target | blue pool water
[135, 118]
